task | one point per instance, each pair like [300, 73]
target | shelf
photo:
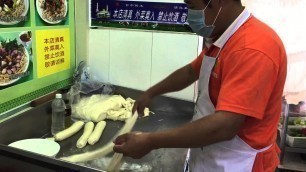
[295, 150]
[296, 114]
[293, 161]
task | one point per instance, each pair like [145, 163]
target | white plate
[22, 15]
[39, 11]
[25, 69]
[40, 146]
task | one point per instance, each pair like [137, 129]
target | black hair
[206, 2]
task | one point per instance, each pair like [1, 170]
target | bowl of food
[52, 11]
[25, 38]
[14, 62]
[13, 11]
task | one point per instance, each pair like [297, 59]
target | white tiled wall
[140, 59]
[99, 53]
[82, 29]
[170, 52]
[130, 58]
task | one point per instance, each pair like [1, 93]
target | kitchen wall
[140, 59]
[135, 59]
[82, 29]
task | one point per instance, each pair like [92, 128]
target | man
[241, 75]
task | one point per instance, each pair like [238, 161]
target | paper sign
[53, 51]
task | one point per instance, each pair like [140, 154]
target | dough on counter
[96, 134]
[85, 107]
[119, 115]
[98, 108]
[82, 141]
[102, 108]
[74, 128]
[147, 112]
[125, 112]
[87, 156]
[108, 148]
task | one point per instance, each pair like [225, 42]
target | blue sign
[138, 11]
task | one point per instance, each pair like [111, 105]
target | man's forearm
[176, 81]
[208, 130]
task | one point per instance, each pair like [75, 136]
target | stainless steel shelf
[293, 161]
[296, 150]
[296, 114]
[290, 157]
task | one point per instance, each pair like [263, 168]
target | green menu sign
[37, 49]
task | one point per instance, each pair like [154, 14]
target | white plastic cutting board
[40, 146]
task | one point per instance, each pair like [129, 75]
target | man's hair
[206, 1]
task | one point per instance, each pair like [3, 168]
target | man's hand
[141, 103]
[195, 4]
[135, 144]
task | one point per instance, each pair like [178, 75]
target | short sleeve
[248, 79]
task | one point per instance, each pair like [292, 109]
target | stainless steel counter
[36, 123]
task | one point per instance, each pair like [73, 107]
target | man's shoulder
[255, 35]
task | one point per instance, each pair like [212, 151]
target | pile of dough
[100, 107]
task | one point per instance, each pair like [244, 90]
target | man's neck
[230, 19]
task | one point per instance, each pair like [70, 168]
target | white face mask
[196, 20]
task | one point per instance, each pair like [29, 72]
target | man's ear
[221, 2]
[225, 2]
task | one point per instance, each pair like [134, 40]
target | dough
[96, 134]
[100, 107]
[74, 128]
[89, 126]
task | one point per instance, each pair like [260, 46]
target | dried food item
[13, 61]
[26, 37]
[12, 10]
[53, 10]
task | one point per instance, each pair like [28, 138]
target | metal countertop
[36, 123]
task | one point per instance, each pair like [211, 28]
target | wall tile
[172, 51]
[99, 53]
[130, 58]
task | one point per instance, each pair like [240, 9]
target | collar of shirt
[232, 28]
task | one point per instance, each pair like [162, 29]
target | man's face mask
[196, 20]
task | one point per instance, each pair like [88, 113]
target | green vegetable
[6, 8]
[299, 121]
[15, 4]
[11, 45]
[297, 132]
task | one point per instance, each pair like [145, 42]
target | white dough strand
[74, 128]
[96, 134]
[89, 126]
